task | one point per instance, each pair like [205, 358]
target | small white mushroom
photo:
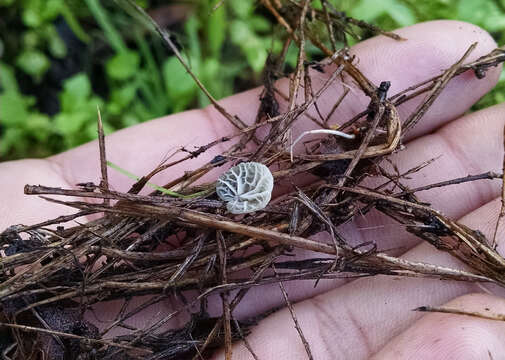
[246, 187]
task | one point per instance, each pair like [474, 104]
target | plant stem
[154, 186]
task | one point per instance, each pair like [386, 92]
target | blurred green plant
[22, 124]
[488, 14]
[226, 47]
[223, 46]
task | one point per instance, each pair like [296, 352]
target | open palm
[369, 317]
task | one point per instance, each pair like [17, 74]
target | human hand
[341, 319]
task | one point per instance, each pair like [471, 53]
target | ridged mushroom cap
[246, 187]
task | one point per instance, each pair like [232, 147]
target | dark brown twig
[448, 310]
[104, 182]
[502, 209]
[295, 320]
[439, 85]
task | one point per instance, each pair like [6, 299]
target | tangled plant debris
[49, 278]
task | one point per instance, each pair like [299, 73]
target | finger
[357, 319]
[17, 208]
[448, 336]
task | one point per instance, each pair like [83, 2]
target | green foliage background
[226, 48]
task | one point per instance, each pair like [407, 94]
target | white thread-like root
[319, 131]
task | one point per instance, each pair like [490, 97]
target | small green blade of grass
[154, 186]
[137, 178]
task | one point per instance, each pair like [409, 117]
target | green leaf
[179, 85]
[369, 10]
[57, 47]
[401, 14]
[8, 81]
[251, 45]
[31, 17]
[31, 39]
[216, 30]
[242, 9]
[120, 98]
[33, 62]
[260, 23]
[11, 138]
[37, 12]
[475, 11]
[484, 13]
[14, 109]
[91, 106]
[50, 9]
[494, 22]
[124, 95]
[69, 123]
[79, 109]
[39, 126]
[123, 65]
[141, 111]
[76, 90]
[213, 78]
[129, 120]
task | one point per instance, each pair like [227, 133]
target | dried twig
[104, 183]
[73, 336]
[502, 209]
[295, 321]
[439, 85]
[447, 310]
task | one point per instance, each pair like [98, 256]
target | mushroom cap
[246, 187]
